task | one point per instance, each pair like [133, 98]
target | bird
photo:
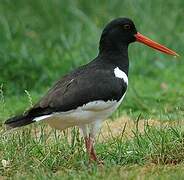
[88, 95]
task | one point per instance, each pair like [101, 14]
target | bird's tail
[19, 121]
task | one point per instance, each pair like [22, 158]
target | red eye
[126, 26]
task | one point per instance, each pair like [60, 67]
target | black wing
[81, 87]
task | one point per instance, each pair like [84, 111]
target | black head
[119, 32]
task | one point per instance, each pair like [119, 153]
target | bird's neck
[116, 56]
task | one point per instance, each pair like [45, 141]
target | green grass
[42, 40]
[50, 154]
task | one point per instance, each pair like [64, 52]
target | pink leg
[90, 150]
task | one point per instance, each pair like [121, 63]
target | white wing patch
[120, 74]
[42, 117]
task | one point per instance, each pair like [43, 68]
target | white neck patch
[120, 74]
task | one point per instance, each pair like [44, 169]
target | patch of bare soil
[125, 125]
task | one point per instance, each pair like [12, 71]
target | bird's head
[121, 32]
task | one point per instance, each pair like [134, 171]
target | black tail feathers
[27, 117]
[19, 121]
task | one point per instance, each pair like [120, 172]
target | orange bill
[143, 39]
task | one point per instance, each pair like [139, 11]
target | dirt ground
[125, 125]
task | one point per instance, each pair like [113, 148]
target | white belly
[86, 114]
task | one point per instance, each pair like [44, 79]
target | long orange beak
[143, 39]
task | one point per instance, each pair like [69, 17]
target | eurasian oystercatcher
[89, 94]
